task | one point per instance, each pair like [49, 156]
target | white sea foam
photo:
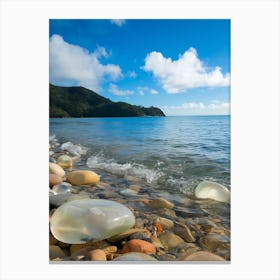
[131, 169]
[76, 150]
[53, 139]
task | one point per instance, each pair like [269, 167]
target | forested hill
[78, 102]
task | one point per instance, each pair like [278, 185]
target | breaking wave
[125, 169]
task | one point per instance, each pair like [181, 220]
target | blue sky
[180, 66]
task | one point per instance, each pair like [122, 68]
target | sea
[170, 154]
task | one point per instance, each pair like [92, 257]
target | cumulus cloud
[118, 22]
[116, 91]
[143, 90]
[72, 64]
[198, 108]
[185, 73]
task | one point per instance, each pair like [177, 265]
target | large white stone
[82, 221]
[212, 190]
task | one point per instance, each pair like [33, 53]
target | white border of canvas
[254, 131]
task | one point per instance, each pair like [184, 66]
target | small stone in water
[65, 161]
[212, 190]
[82, 221]
[128, 192]
[166, 223]
[161, 203]
[83, 177]
[62, 188]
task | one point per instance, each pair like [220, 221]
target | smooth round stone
[83, 177]
[203, 256]
[54, 179]
[184, 232]
[166, 223]
[56, 169]
[170, 240]
[81, 221]
[138, 245]
[128, 192]
[161, 203]
[65, 161]
[212, 190]
[134, 257]
[62, 188]
[97, 255]
[55, 252]
[213, 242]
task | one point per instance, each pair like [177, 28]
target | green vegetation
[79, 102]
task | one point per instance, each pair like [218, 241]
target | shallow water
[170, 154]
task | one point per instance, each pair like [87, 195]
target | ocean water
[172, 154]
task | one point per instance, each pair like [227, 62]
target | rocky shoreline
[165, 227]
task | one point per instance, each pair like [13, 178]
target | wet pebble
[134, 256]
[183, 231]
[213, 242]
[167, 257]
[64, 161]
[140, 235]
[203, 256]
[170, 240]
[83, 177]
[54, 179]
[56, 169]
[138, 245]
[166, 223]
[125, 234]
[97, 255]
[161, 203]
[55, 252]
[128, 192]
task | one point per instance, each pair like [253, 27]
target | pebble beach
[98, 216]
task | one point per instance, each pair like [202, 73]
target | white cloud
[153, 91]
[185, 73]
[71, 63]
[142, 90]
[198, 108]
[118, 22]
[116, 91]
[131, 74]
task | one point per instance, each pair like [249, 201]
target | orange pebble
[138, 245]
[159, 228]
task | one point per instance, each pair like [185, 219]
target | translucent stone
[62, 188]
[212, 190]
[89, 220]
